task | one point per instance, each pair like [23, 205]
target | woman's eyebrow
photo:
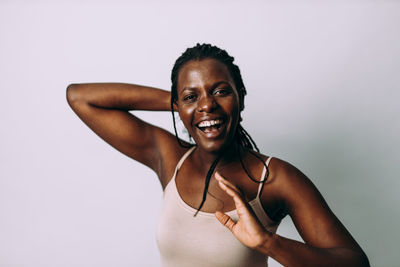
[219, 83]
[215, 85]
[188, 89]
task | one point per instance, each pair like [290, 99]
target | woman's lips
[208, 123]
[213, 131]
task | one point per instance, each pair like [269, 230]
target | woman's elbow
[362, 260]
[73, 93]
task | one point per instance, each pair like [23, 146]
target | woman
[223, 200]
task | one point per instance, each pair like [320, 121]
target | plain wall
[323, 90]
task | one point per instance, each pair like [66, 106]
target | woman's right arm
[104, 107]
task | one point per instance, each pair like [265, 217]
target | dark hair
[203, 51]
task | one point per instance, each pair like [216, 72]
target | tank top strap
[264, 176]
[178, 166]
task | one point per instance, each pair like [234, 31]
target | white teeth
[209, 123]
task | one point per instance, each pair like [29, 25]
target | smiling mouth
[210, 126]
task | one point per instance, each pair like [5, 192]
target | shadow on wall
[353, 166]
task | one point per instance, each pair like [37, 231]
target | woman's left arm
[327, 242]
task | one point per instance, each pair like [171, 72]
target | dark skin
[206, 91]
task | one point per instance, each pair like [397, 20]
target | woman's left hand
[247, 229]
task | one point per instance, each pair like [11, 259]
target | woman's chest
[192, 187]
[186, 240]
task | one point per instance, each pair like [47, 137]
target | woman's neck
[203, 159]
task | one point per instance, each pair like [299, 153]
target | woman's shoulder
[278, 169]
[291, 186]
[282, 169]
[277, 185]
[170, 160]
[285, 176]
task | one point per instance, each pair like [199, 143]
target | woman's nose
[207, 104]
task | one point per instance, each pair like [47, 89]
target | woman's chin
[215, 147]
[215, 150]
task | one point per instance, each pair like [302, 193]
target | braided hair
[243, 139]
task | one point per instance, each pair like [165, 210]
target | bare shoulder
[286, 176]
[293, 187]
[283, 188]
[169, 153]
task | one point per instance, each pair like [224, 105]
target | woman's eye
[190, 97]
[221, 91]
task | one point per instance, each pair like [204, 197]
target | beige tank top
[184, 240]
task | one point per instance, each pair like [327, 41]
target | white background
[323, 92]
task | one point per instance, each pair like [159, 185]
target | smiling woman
[223, 199]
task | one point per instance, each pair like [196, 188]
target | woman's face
[208, 103]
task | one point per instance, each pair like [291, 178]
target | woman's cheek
[186, 114]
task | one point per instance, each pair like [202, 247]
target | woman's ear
[175, 106]
[242, 93]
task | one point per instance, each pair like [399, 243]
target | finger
[227, 189]
[220, 178]
[233, 191]
[239, 202]
[225, 220]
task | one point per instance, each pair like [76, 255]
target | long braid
[207, 182]
[176, 132]
[246, 136]
[243, 139]
[244, 166]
